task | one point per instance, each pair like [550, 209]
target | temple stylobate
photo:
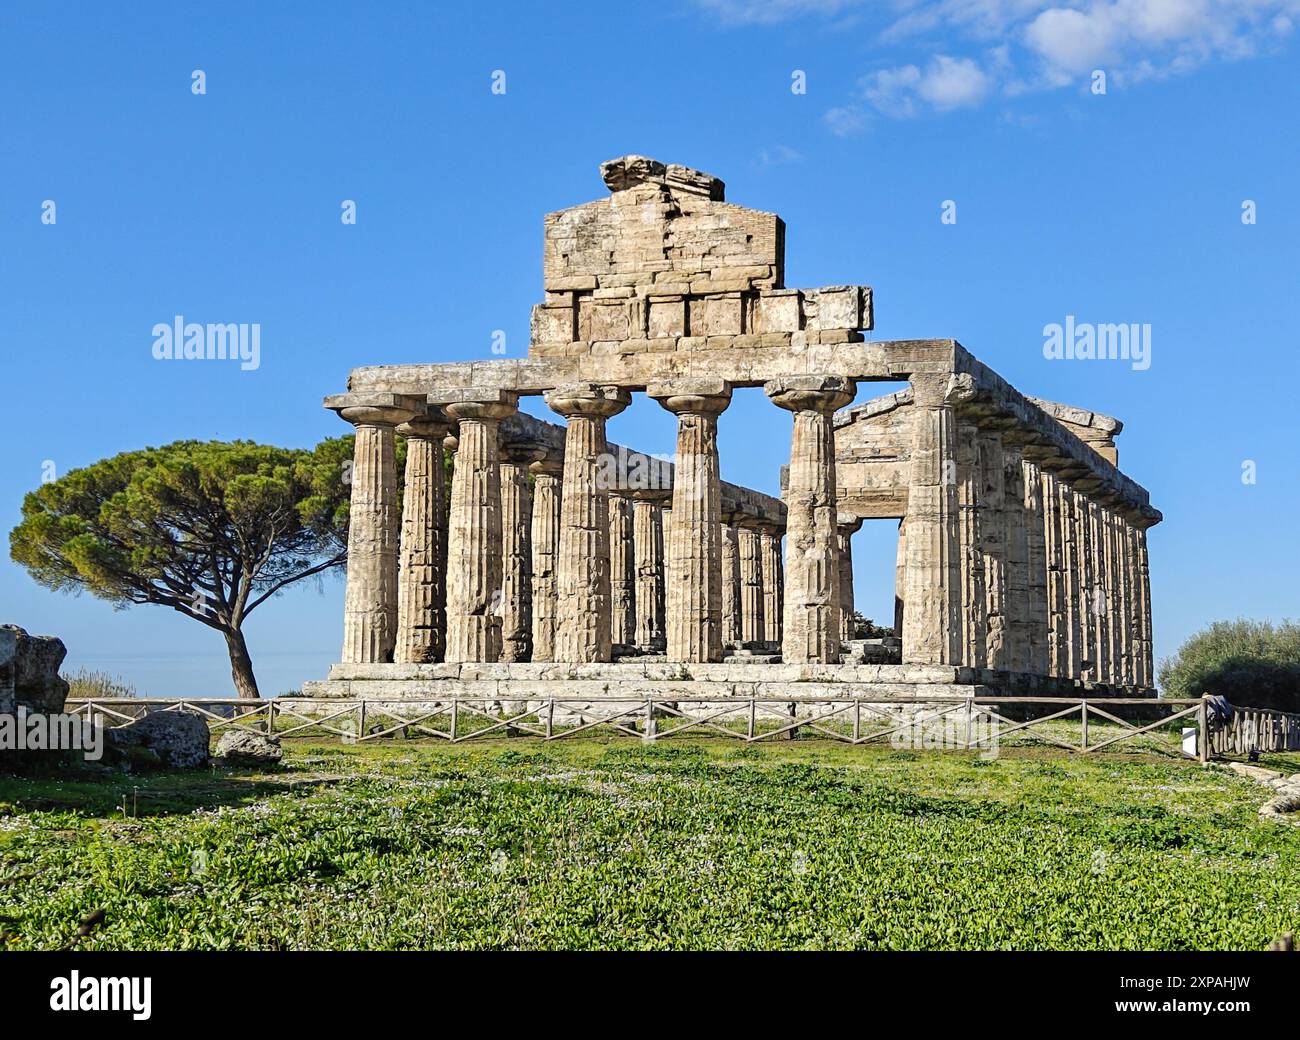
[1022, 553]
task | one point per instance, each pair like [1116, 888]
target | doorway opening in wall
[876, 616]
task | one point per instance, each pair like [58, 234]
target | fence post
[857, 721]
[361, 720]
[1084, 717]
[749, 732]
[270, 717]
[550, 718]
[455, 704]
[1202, 721]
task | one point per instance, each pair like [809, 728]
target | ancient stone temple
[556, 555]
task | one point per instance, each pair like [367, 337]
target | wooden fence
[1078, 725]
[1255, 729]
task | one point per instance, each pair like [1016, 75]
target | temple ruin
[557, 556]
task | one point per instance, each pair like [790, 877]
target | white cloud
[1018, 46]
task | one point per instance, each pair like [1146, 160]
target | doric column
[546, 552]
[847, 528]
[932, 626]
[1037, 624]
[773, 572]
[474, 527]
[517, 550]
[731, 584]
[694, 618]
[974, 601]
[1017, 602]
[1100, 598]
[648, 544]
[752, 606]
[993, 547]
[1058, 633]
[1123, 615]
[811, 608]
[370, 599]
[622, 572]
[583, 632]
[900, 578]
[421, 586]
[1143, 576]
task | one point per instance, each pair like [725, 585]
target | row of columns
[569, 569]
[1052, 581]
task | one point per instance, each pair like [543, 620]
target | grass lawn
[601, 842]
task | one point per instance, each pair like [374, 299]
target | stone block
[667, 317]
[721, 315]
[553, 323]
[778, 310]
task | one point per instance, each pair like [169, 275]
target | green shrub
[1254, 664]
[100, 685]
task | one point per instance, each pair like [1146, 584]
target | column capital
[522, 453]
[375, 409]
[651, 494]
[692, 396]
[810, 393]
[848, 524]
[473, 403]
[549, 465]
[589, 399]
[433, 425]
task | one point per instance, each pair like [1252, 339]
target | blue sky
[1116, 207]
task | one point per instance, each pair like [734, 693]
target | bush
[101, 685]
[1255, 664]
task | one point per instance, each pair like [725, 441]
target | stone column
[1086, 589]
[421, 585]
[847, 528]
[583, 632]
[773, 572]
[731, 585]
[900, 576]
[993, 549]
[1017, 602]
[1058, 634]
[974, 601]
[648, 544]
[622, 572]
[1099, 601]
[474, 568]
[694, 545]
[517, 551]
[1147, 666]
[932, 628]
[546, 550]
[370, 598]
[811, 608]
[1037, 621]
[752, 606]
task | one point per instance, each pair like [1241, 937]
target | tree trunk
[241, 665]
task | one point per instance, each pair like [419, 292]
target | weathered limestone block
[648, 544]
[29, 672]
[370, 598]
[546, 548]
[421, 589]
[474, 567]
[583, 589]
[694, 587]
[811, 610]
[517, 550]
[622, 571]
